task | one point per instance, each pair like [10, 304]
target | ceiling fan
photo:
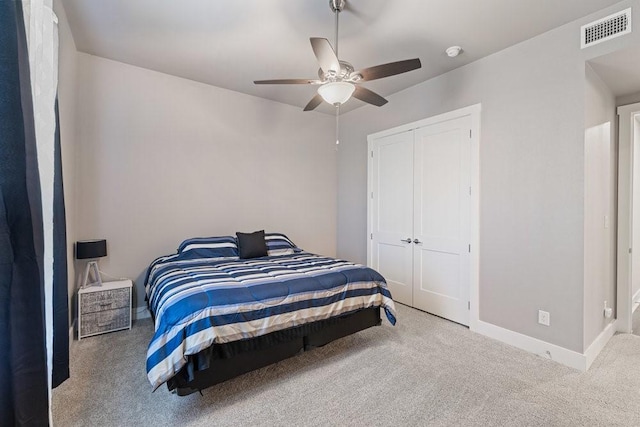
[338, 80]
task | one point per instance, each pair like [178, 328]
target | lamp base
[92, 270]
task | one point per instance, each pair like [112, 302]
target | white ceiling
[231, 43]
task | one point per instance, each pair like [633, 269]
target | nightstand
[105, 308]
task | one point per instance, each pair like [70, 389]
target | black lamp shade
[91, 249]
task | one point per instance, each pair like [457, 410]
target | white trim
[562, 355]
[567, 357]
[474, 112]
[474, 286]
[599, 343]
[635, 303]
[451, 115]
[625, 175]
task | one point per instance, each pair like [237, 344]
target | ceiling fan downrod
[336, 6]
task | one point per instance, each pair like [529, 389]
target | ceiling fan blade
[288, 82]
[368, 96]
[390, 69]
[315, 101]
[325, 55]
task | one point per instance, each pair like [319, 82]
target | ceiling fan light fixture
[336, 93]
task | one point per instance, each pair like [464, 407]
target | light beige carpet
[424, 371]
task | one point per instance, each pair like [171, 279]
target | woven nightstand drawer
[105, 300]
[105, 321]
[104, 308]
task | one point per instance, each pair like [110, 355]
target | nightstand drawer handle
[103, 304]
[100, 325]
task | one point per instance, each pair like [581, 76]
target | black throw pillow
[252, 245]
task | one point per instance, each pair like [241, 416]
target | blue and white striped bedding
[198, 302]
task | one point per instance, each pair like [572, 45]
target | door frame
[624, 300]
[473, 111]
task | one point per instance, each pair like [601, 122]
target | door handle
[417, 242]
[406, 240]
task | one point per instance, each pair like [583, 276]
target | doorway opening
[618, 70]
[628, 282]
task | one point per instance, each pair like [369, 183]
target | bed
[218, 314]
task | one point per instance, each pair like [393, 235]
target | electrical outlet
[608, 311]
[544, 318]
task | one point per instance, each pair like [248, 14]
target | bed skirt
[225, 361]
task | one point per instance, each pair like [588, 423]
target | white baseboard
[140, 313]
[547, 350]
[635, 301]
[598, 344]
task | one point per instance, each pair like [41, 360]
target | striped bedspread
[199, 302]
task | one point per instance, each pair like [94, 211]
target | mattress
[200, 301]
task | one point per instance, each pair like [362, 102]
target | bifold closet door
[392, 213]
[441, 219]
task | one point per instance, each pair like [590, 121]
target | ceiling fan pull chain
[337, 126]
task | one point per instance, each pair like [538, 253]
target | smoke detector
[453, 51]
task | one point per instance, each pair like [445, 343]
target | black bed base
[225, 361]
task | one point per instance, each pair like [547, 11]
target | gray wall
[600, 107]
[531, 160]
[162, 159]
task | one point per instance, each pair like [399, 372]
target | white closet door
[392, 213]
[442, 219]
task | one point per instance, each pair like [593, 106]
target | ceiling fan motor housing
[337, 5]
[345, 74]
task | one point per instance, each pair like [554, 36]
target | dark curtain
[23, 369]
[60, 278]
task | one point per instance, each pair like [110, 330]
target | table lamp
[92, 250]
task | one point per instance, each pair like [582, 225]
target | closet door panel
[439, 272]
[441, 219]
[392, 213]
